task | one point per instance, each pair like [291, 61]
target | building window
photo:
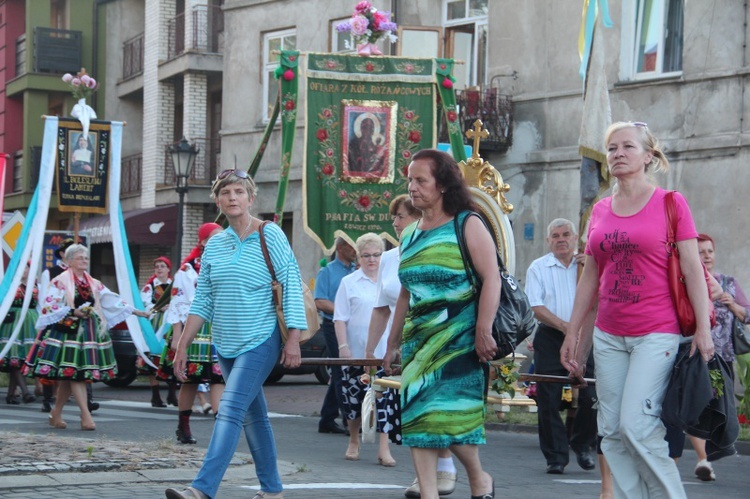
[654, 47]
[274, 42]
[339, 41]
[465, 24]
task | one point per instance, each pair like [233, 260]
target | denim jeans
[243, 405]
[632, 373]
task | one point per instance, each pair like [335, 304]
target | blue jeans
[243, 405]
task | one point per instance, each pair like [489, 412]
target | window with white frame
[466, 33]
[339, 40]
[652, 39]
[273, 43]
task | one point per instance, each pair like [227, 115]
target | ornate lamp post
[183, 158]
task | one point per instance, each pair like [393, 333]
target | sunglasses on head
[236, 173]
[639, 124]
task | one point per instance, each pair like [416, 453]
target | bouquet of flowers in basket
[368, 25]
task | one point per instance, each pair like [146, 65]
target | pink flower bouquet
[368, 25]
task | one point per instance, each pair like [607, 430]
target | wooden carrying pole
[523, 378]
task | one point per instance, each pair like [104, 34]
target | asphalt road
[513, 459]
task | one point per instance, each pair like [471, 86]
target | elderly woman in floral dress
[76, 314]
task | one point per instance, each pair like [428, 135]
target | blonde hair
[659, 161]
[368, 239]
[247, 183]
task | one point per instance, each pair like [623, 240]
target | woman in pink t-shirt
[637, 333]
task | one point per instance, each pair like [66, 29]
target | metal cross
[477, 133]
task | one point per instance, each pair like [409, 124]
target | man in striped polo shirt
[326, 286]
[551, 287]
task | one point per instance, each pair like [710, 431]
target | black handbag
[740, 337]
[740, 333]
[514, 319]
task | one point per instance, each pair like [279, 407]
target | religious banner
[82, 166]
[365, 118]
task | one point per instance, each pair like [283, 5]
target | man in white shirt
[551, 286]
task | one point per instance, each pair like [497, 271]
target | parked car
[315, 347]
[125, 355]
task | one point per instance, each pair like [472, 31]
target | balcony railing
[206, 164]
[493, 108]
[130, 179]
[132, 57]
[205, 36]
[57, 50]
[21, 55]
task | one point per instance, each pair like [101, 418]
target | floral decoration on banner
[451, 117]
[368, 25]
[506, 376]
[82, 85]
[364, 200]
[408, 67]
[409, 135]
[327, 133]
[288, 107]
[370, 67]
[330, 64]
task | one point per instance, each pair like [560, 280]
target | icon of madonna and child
[368, 142]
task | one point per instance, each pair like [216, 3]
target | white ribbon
[85, 114]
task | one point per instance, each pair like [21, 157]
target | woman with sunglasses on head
[202, 362]
[637, 333]
[234, 293]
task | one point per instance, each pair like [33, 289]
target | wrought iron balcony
[493, 108]
[206, 163]
[57, 50]
[206, 34]
[132, 57]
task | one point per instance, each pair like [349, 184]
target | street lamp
[183, 158]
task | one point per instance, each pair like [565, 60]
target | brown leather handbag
[311, 311]
[677, 286]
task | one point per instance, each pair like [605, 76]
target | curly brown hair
[456, 194]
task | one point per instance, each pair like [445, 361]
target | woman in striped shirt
[234, 294]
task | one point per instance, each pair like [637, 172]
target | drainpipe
[744, 68]
[95, 46]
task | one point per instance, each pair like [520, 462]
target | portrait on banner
[82, 159]
[82, 166]
[368, 140]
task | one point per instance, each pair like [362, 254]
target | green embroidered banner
[365, 118]
[287, 74]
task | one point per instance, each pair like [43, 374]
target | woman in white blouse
[351, 320]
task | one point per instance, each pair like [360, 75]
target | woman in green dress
[441, 328]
